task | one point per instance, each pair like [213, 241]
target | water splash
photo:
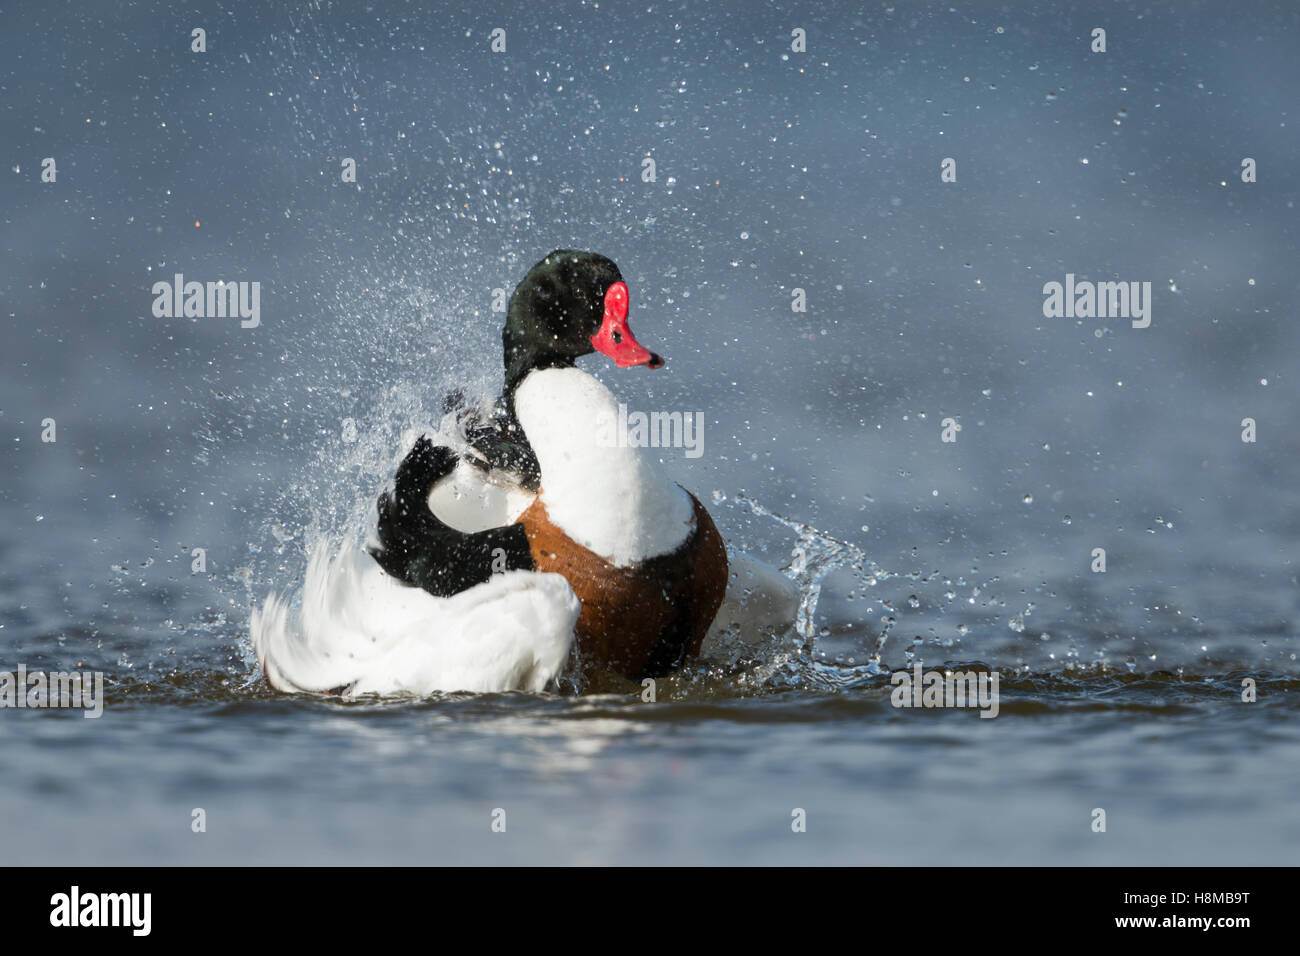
[815, 556]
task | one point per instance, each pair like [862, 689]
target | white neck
[616, 502]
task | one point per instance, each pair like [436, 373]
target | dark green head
[568, 305]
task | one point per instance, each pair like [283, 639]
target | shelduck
[519, 544]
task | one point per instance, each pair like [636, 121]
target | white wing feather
[360, 629]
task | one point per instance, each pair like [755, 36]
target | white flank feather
[362, 630]
[760, 600]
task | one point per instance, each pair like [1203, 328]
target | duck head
[568, 305]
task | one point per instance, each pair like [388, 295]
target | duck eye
[618, 337]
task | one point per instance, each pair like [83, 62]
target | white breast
[614, 501]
